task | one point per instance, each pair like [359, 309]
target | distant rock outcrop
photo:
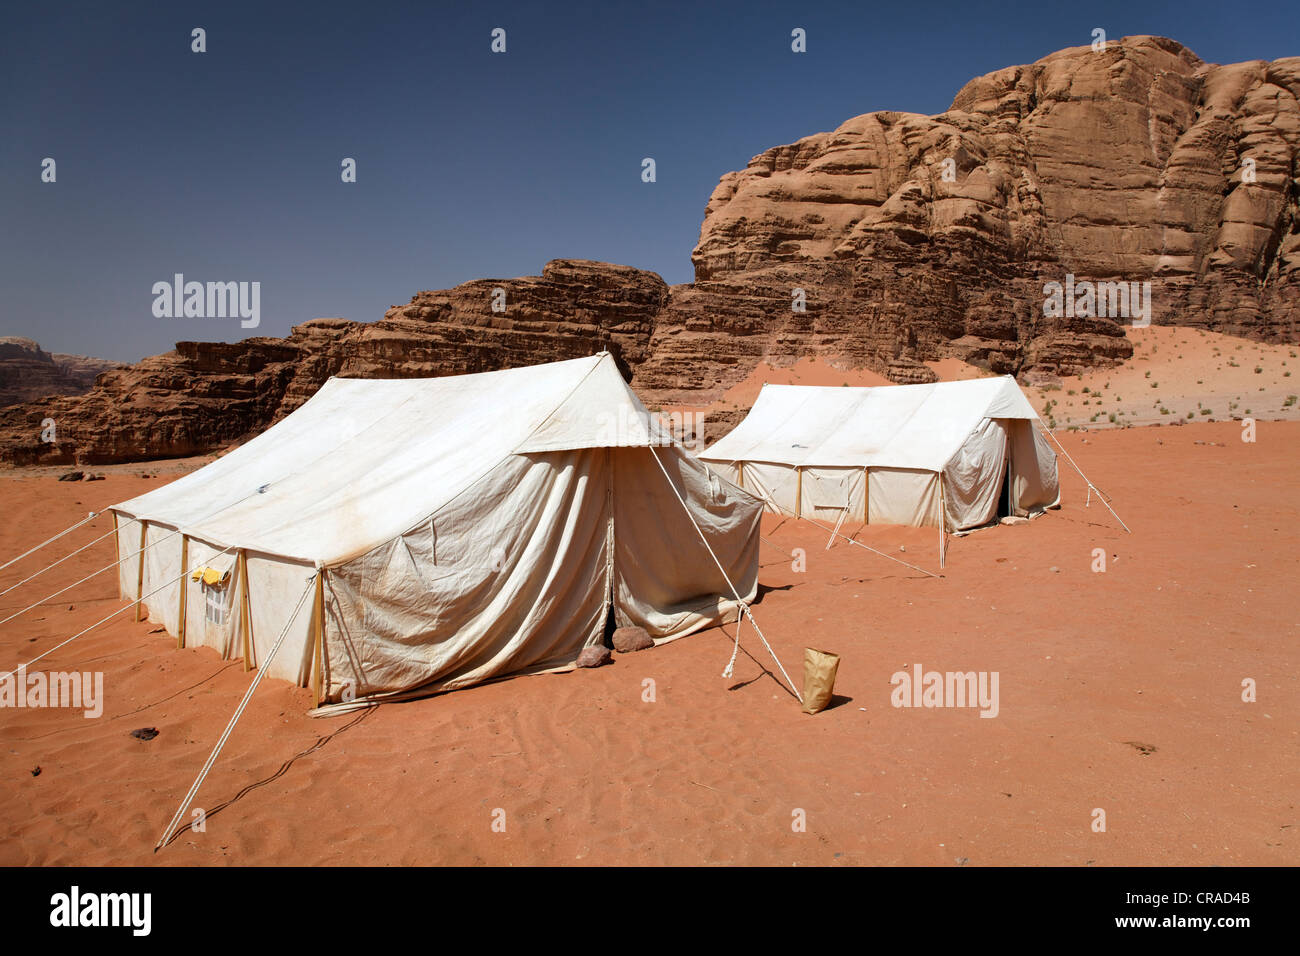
[895, 240]
[205, 395]
[28, 372]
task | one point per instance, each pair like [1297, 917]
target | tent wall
[825, 493]
[665, 580]
[127, 540]
[518, 574]
[903, 496]
[509, 576]
[202, 629]
[775, 484]
[274, 586]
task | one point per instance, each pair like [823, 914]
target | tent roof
[365, 460]
[895, 426]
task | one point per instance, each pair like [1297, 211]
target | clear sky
[225, 165]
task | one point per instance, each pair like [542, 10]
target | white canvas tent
[466, 527]
[930, 455]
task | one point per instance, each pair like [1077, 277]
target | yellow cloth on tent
[212, 577]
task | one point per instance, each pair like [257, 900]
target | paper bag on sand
[818, 679]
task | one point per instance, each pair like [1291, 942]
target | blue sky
[225, 165]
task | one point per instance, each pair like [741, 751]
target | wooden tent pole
[139, 577]
[185, 587]
[943, 523]
[117, 553]
[318, 635]
[798, 491]
[866, 496]
[245, 625]
[740, 474]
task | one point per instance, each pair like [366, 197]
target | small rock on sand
[595, 656]
[629, 639]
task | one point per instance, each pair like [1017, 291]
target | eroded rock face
[916, 237]
[204, 396]
[28, 372]
[908, 238]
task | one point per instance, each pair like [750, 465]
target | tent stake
[1091, 486]
[744, 607]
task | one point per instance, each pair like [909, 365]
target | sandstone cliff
[917, 237]
[908, 239]
[28, 372]
[202, 395]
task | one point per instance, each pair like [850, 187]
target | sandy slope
[1118, 690]
[1182, 374]
[1176, 374]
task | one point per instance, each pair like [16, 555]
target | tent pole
[866, 496]
[139, 577]
[740, 474]
[798, 491]
[245, 625]
[318, 629]
[943, 522]
[117, 553]
[185, 551]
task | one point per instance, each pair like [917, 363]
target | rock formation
[204, 395]
[918, 237]
[28, 372]
[904, 239]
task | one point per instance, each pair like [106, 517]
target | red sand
[1118, 690]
